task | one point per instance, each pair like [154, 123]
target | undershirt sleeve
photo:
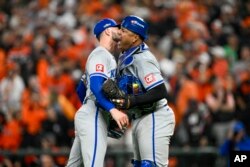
[153, 95]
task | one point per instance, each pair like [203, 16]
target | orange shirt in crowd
[2, 63]
[10, 138]
[63, 84]
[188, 91]
[185, 11]
[114, 11]
[90, 7]
[202, 79]
[220, 67]
[204, 90]
[43, 3]
[42, 74]
[32, 117]
[72, 53]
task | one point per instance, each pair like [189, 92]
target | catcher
[143, 95]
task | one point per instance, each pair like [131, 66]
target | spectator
[47, 161]
[194, 132]
[2, 64]
[195, 126]
[11, 88]
[57, 124]
[10, 132]
[187, 85]
[32, 116]
[231, 50]
[237, 140]
[242, 98]
[221, 104]
[220, 65]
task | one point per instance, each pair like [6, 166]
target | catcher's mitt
[124, 101]
[115, 94]
[111, 89]
[114, 131]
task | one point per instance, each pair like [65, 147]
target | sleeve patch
[99, 68]
[150, 78]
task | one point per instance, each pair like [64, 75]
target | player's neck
[108, 44]
[137, 43]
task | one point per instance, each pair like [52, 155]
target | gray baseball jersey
[90, 141]
[150, 133]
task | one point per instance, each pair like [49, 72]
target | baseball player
[90, 141]
[139, 76]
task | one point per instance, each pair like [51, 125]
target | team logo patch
[137, 23]
[100, 68]
[149, 78]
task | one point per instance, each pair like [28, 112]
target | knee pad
[136, 163]
[147, 163]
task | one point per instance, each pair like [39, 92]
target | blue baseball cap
[136, 25]
[104, 24]
[238, 126]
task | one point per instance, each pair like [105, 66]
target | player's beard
[116, 37]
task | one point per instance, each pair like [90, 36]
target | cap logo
[106, 25]
[137, 23]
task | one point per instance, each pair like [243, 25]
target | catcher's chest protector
[130, 85]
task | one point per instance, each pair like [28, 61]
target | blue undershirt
[96, 83]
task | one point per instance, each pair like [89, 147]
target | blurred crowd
[203, 48]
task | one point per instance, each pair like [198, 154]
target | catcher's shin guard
[147, 163]
[136, 163]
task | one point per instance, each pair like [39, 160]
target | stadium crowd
[203, 48]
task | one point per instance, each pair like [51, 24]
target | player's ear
[107, 31]
[135, 38]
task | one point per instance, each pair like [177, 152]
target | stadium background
[203, 48]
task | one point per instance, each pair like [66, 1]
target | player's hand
[122, 103]
[120, 117]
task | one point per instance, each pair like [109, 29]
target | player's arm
[96, 83]
[148, 71]
[153, 95]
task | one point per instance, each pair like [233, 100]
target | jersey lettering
[113, 73]
[149, 78]
[100, 68]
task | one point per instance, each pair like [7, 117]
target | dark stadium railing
[121, 156]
